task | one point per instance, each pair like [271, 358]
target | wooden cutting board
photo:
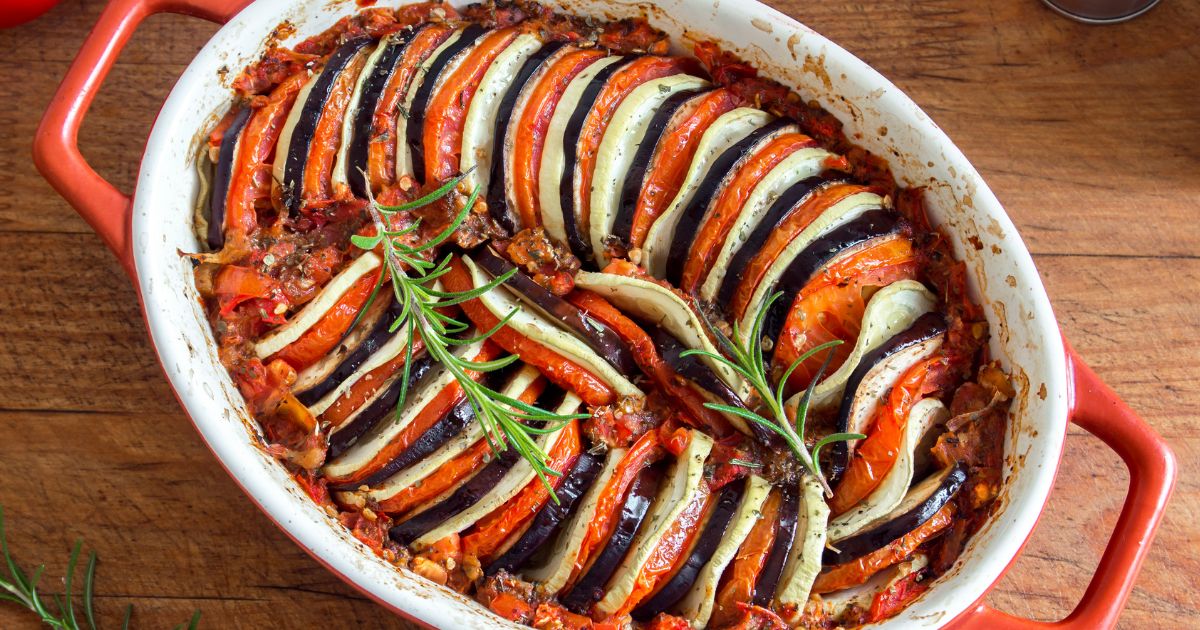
[1090, 136]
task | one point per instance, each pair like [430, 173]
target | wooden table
[1089, 135]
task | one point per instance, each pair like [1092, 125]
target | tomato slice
[435, 410]
[785, 232]
[560, 370]
[650, 362]
[317, 341]
[627, 79]
[447, 110]
[671, 551]
[529, 136]
[644, 452]
[365, 387]
[327, 137]
[487, 536]
[876, 454]
[831, 306]
[669, 165]
[859, 571]
[896, 597]
[737, 583]
[381, 148]
[250, 184]
[728, 205]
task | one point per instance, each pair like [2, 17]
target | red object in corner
[17, 12]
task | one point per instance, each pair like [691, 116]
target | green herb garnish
[21, 588]
[748, 361]
[506, 421]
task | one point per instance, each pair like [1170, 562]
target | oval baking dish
[148, 229]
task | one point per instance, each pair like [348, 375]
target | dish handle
[1152, 470]
[56, 144]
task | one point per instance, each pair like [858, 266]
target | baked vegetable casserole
[599, 334]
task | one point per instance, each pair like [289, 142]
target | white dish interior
[1025, 336]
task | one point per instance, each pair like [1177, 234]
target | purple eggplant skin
[415, 130]
[578, 235]
[431, 440]
[345, 437]
[635, 179]
[785, 535]
[926, 327]
[870, 225]
[702, 551]
[372, 89]
[497, 201]
[597, 336]
[548, 519]
[792, 197]
[590, 588]
[310, 115]
[467, 495]
[693, 213]
[226, 156]
[378, 336]
[893, 528]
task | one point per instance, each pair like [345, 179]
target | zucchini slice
[532, 325]
[311, 313]
[724, 133]
[804, 562]
[628, 128]
[682, 482]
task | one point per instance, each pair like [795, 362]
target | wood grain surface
[1090, 136]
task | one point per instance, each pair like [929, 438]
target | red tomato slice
[876, 454]
[487, 536]
[785, 232]
[831, 306]
[447, 109]
[896, 597]
[381, 148]
[327, 137]
[737, 583]
[529, 136]
[317, 341]
[859, 571]
[560, 370]
[728, 205]
[669, 165]
[364, 388]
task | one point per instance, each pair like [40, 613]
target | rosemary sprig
[506, 421]
[747, 360]
[21, 588]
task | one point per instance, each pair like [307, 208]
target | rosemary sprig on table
[21, 588]
[748, 361]
[506, 421]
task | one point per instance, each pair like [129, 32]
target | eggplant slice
[785, 538]
[919, 505]
[726, 131]
[383, 403]
[356, 135]
[628, 128]
[226, 156]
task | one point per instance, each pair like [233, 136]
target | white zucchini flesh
[404, 167]
[839, 214]
[804, 562]
[457, 445]
[552, 576]
[339, 177]
[500, 302]
[289, 125]
[837, 604]
[891, 490]
[509, 485]
[881, 379]
[889, 312]
[480, 122]
[319, 371]
[697, 605]
[550, 171]
[682, 483]
[726, 131]
[375, 440]
[659, 305]
[796, 167]
[626, 130]
[312, 312]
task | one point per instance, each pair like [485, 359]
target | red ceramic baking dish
[147, 229]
